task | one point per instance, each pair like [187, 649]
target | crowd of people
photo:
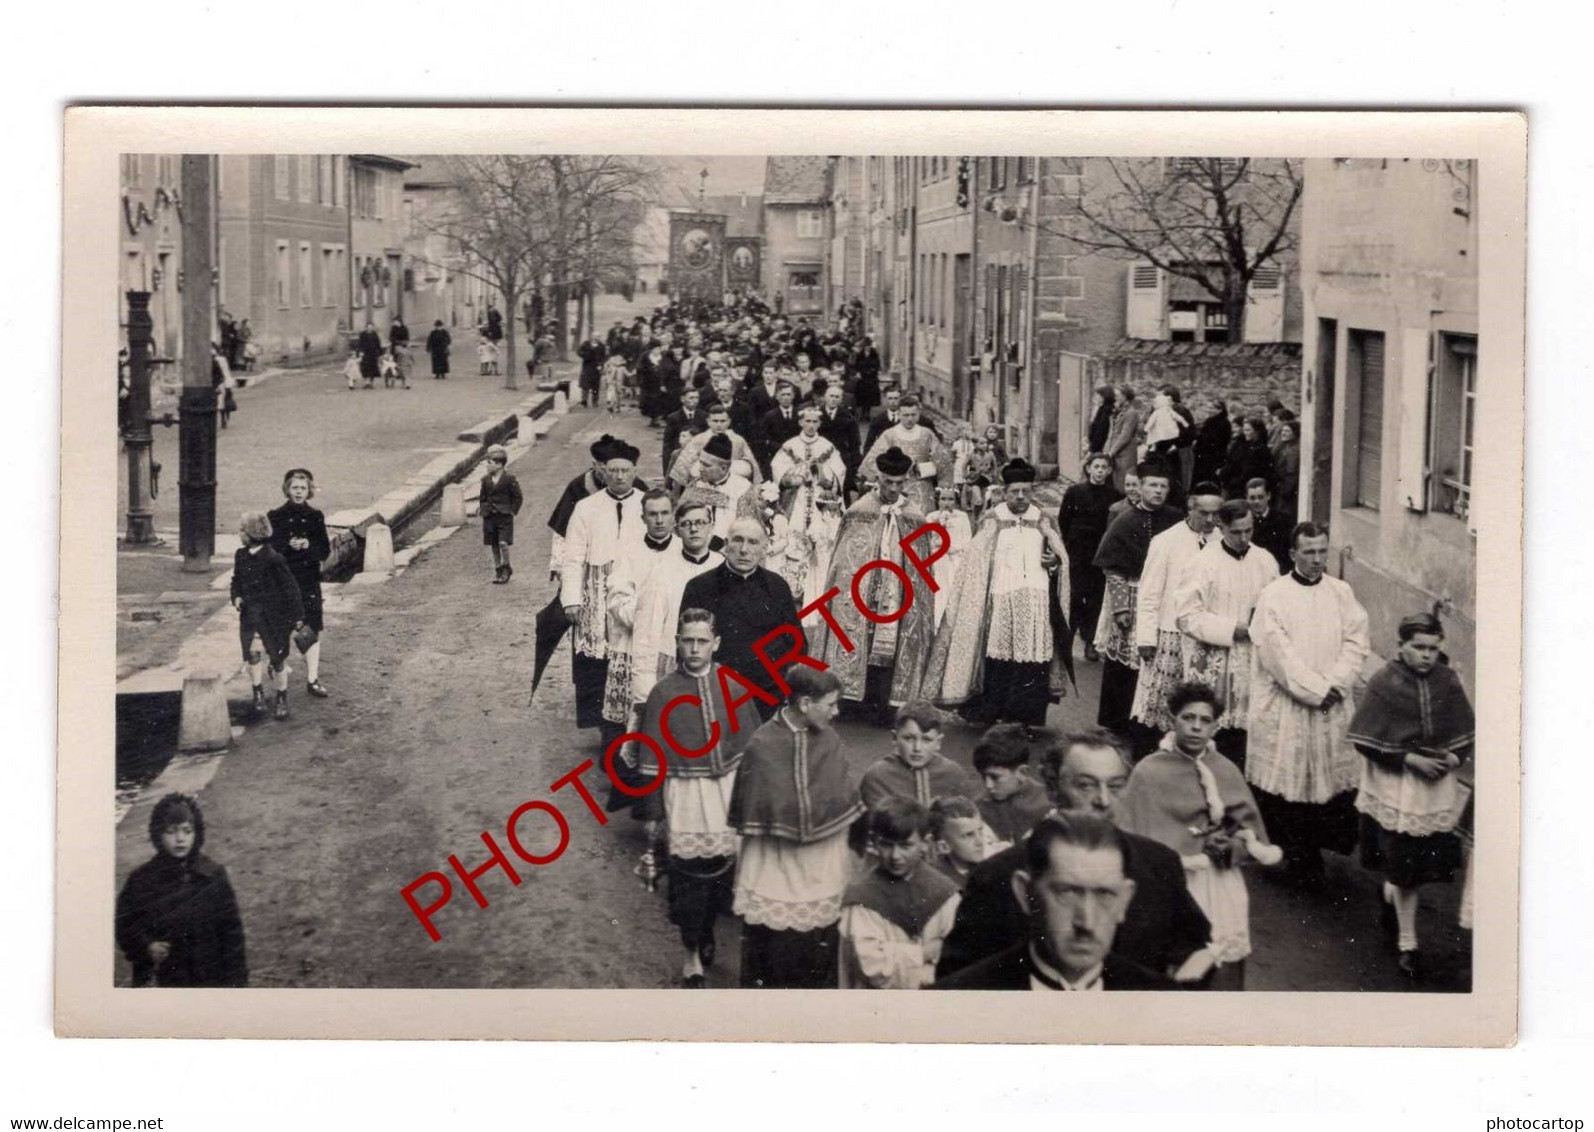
[1230, 731]
[1234, 728]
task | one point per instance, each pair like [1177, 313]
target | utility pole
[196, 463]
[136, 428]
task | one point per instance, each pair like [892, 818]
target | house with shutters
[796, 236]
[1389, 451]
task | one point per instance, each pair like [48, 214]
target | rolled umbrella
[552, 625]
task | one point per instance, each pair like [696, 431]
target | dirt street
[428, 740]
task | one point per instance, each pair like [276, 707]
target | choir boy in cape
[1122, 558]
[728, 493]
[604, 529]
[895, 918]
[744, 462]
[748, 602]
[886, 663]
[1013, 799]
[959, 838]
[702, 743]
[1158, 641]
[1414, 731]
[793, 804]
[1309, 640]
[1005, 636]
[1213, 606]
[916, 768]
[1193, 800]
[929, 459]
[658, 596]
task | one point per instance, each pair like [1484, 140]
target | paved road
[429, 740]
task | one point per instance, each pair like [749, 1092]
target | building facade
[283, 251]
[377, 229]
[1389, 273]
[151, 244]
[796, 236]
[942, 265]
[437, 287]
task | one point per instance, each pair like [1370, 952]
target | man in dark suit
[840, 427]
[1163, 929]
[1074, 889]
[1273, 527]
[885, 416]
[778, 425]
[681, 425]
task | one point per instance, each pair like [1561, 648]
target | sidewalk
[360, 444]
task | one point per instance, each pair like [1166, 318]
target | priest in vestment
[793, 803]
[1122, 557]
[1309, 636]
[1158, 641]
[744, 461]
[886, 663]
[1212, 607]
[729, 493]
[589, 482]
[631, 566]
[697, 790]
[930, 460]
[1005, 637]
[658, 597]
[809, 472]
[604, 528]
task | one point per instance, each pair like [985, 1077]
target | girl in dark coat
[299, 534]
[176, 917]
[269, 607]
[1212, 445]
[866, 394]
[1248, 459]
[650, 384]
[1082, 520]
[1101, 420]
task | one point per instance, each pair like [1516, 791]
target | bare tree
[519, 223]
[1211, 220]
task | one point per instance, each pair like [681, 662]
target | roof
[740, 219]
[380, 159]
[794, 180]
[428, 170]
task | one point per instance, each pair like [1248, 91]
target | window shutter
[1264, 310]
[1147, 305]
[1416, 406]
[1370, 419]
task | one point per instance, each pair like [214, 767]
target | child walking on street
[351, 368]
[500, 503]
[176, 917]
[299, 534]
[269, 608]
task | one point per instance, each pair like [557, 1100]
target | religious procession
[904, 641]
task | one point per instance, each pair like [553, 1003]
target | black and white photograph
[851, 570]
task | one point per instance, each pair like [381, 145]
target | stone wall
[1249, 375]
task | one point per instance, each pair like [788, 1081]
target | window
[280, 177]
[305, 267]
[941, 296]
[1454, 402]
[283, 268]
[1199, 167]
[810, 223]
[306, 178]
[130, 173]
[996, 177]
[1366, 453]
[329, 273]
[133, 271]
[337, 181]
[1026, 170]
[166, 169]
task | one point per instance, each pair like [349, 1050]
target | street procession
[869, 573]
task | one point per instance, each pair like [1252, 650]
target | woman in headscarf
[1414, 729]
[1286, 454]
[1123, 436]
[1103, 402]
[1248, 459]
[1212, 444]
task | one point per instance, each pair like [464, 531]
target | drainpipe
[1031, 348]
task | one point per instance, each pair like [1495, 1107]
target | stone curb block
[493, 430]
